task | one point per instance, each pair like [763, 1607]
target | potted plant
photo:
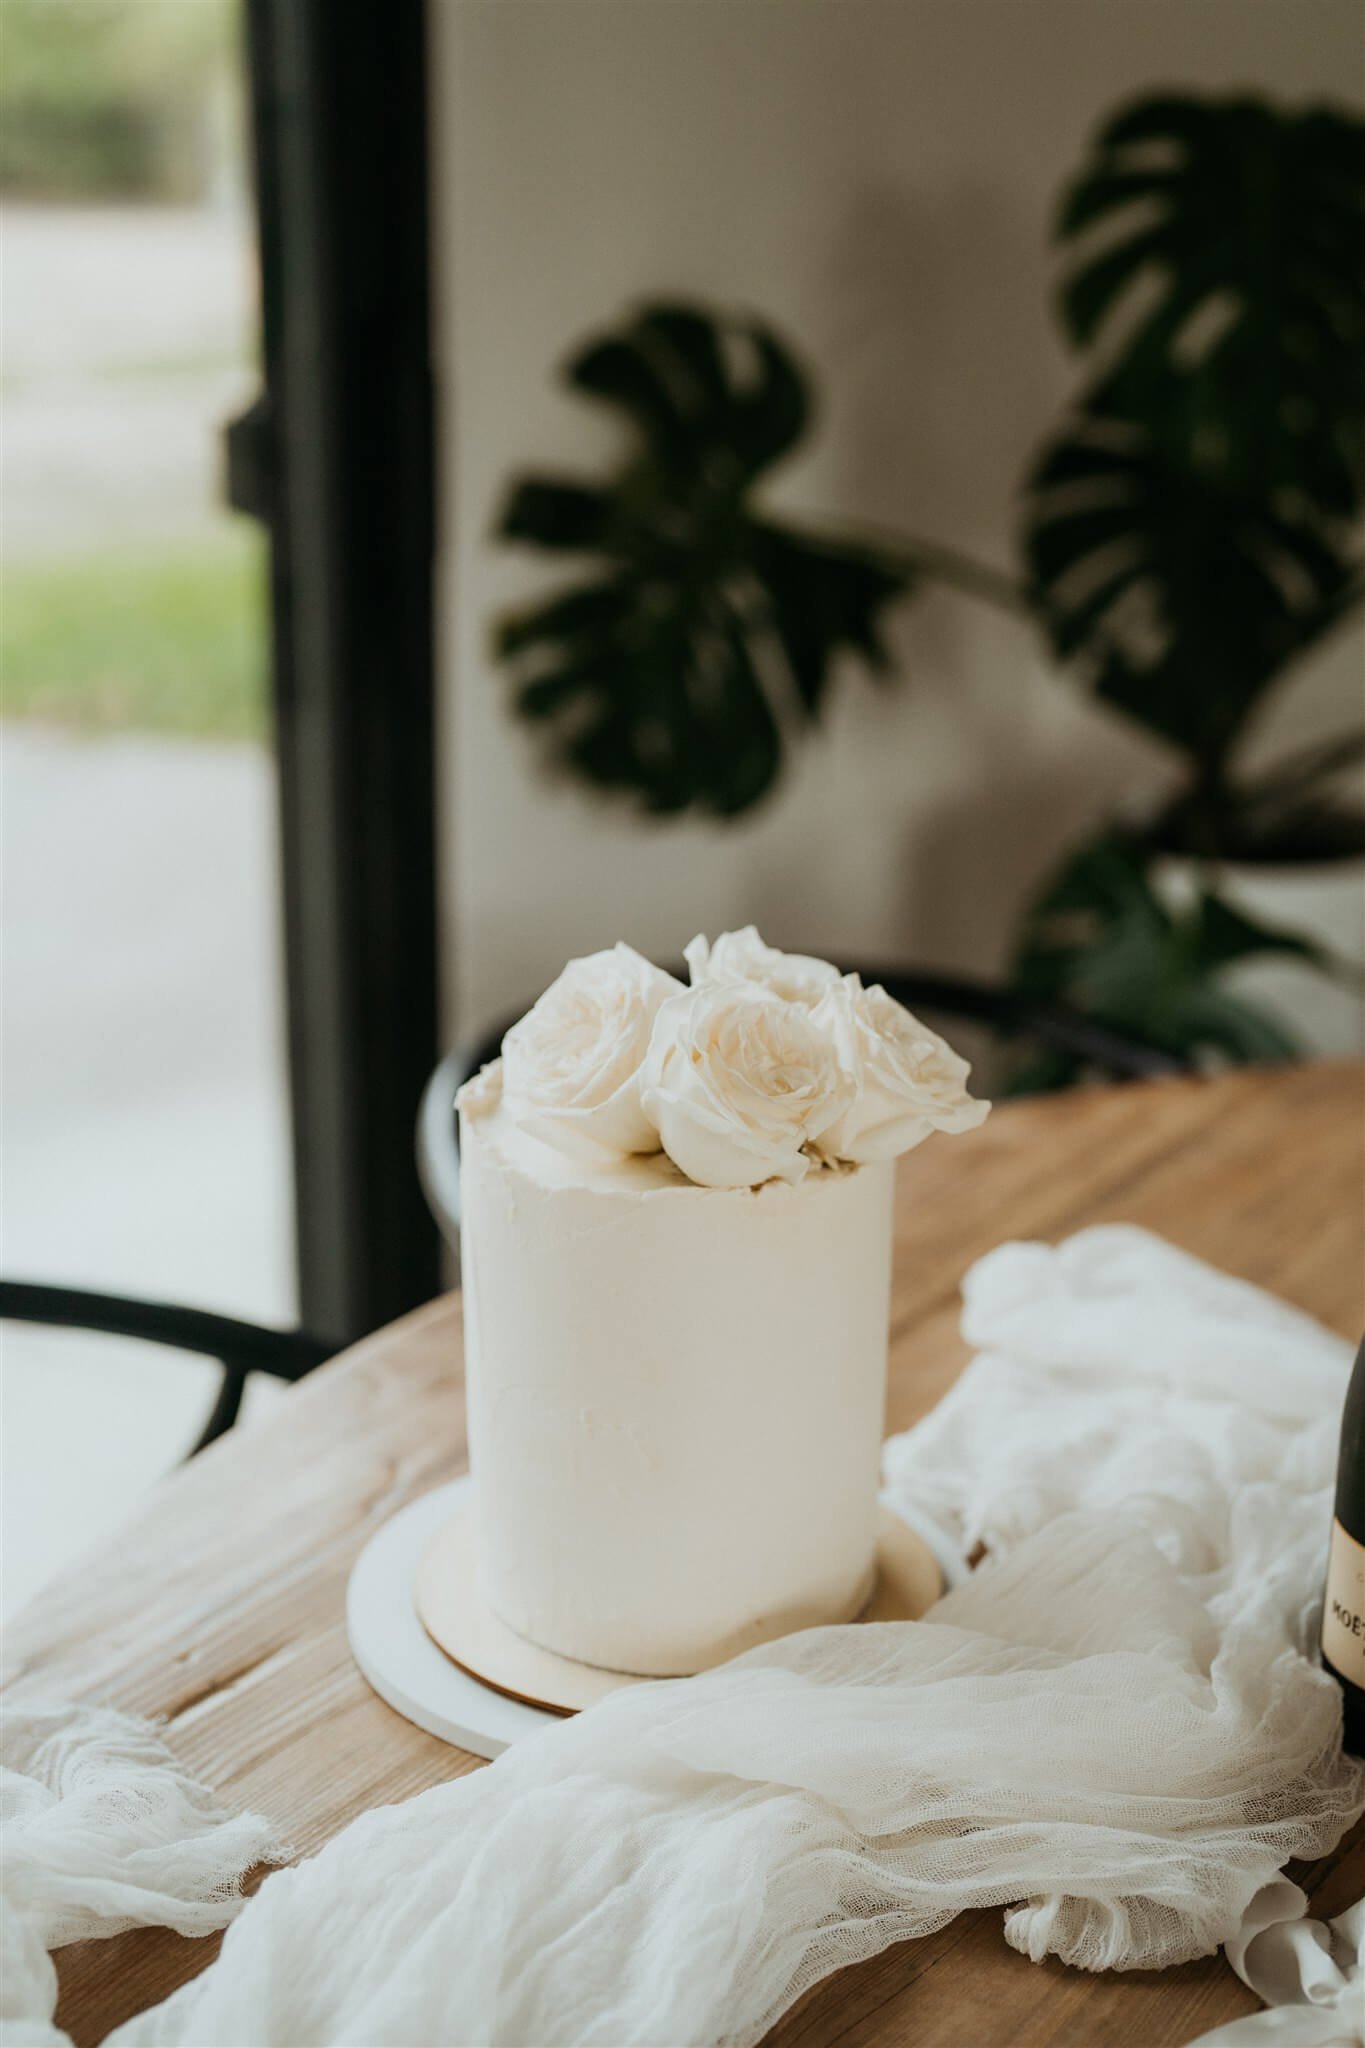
[1190, 533]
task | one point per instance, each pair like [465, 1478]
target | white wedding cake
[676, 1252]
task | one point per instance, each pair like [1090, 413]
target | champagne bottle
[1343, 1614]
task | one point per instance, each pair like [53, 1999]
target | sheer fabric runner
[1115, 1731]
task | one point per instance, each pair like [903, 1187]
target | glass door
[215, 750]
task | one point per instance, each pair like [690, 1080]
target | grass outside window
[166, 640]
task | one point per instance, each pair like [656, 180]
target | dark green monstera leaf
[1189, 533]
[1184, 598]
[1302, 807]
[1216, 254]
[703, 631]
[1100, 938]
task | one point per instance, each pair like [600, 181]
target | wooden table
[220, 1606]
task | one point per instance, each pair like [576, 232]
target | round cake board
[420, 1566]
[397, 1656]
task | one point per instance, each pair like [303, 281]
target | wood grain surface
[220, 1607]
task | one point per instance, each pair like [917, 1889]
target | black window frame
[338, 458]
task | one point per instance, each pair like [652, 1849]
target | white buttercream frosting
[675, 1395]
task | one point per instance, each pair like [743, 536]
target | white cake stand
[401, 1660]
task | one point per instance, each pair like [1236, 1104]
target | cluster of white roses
[767, 1064]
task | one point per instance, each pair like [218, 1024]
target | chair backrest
[1075, 1041]
[240, 1348]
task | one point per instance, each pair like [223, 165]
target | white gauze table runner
[1115, 1731]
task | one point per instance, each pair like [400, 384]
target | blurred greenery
[171, 640]
[113, 98]
[1193, 530]
[1190, 531]
[1100, 938]
[653, 670]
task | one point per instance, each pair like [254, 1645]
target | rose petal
[712, 1153]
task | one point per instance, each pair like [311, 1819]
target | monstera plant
[1190, 532]
[705, 628]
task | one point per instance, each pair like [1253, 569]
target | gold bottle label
[1343, 1616]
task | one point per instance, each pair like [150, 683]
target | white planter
[1326, 903]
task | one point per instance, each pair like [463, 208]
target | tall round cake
[676, 1252]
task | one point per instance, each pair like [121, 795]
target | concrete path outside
[143, 1103]
[142, 1075]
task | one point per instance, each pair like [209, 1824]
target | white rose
[742, 956]
[909, 1082]
[737, 1081]
[571, 1067]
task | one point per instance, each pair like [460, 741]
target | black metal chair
[1008, 1013]
[240, 1348]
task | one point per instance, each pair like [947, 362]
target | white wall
[877, 177]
